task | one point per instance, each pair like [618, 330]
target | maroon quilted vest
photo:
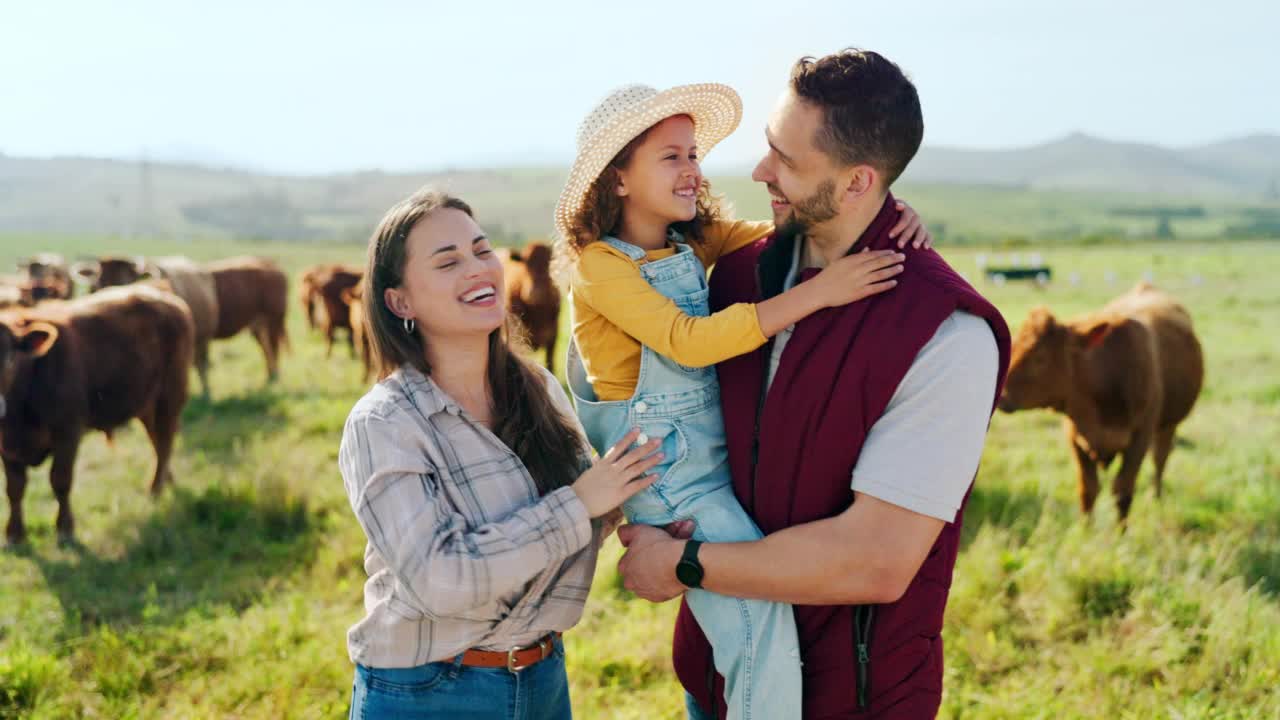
[792, 458]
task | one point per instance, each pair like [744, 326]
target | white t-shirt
[943, 404]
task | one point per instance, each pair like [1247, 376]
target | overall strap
[631, 251]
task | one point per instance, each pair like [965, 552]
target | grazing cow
[186, 279]
[1124, 377]
[324, 285]
[35, 291]
[47, 277]
[337, 313]
[533, 298]
[309, 289]
[252, 293]
[354, 299]
[67, 367]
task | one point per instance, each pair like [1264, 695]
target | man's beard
[816, 209]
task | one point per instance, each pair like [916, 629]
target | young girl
[640, 228]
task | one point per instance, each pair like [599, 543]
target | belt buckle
[513, 667]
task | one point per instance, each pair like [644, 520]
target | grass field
[231, 595]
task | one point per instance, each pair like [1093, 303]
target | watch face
[688, 573]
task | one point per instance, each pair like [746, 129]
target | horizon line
[734, 166]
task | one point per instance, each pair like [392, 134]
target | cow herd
[122, 351]
[1124, 376]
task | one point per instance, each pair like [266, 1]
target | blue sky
[326, 86]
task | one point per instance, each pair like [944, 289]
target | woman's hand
[617, 475]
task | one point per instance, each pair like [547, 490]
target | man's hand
[648, 567]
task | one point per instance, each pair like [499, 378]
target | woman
[473, 484]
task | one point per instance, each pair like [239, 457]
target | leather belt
[515, 659]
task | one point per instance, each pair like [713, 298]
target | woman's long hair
[524, 416]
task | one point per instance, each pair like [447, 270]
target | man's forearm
[868, 554]
[802, 565]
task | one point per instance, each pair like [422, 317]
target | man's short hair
[871, 111]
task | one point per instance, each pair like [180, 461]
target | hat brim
[716, 110]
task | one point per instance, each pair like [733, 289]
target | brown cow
[309, 291]
[47, 277]
[337, 312]
[354, 299]
[311, 284]
[186, 279]
[533, 298]
[67, 367]
[253, 293]
[110, 271]
[1124, 377]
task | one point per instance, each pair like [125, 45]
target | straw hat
[630, 110]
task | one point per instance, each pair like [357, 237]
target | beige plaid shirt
[462, 551]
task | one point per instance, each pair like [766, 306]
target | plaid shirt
[462, 551]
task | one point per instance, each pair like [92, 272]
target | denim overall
[754, 641]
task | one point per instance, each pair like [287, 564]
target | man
[854, 437]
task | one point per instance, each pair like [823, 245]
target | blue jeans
[449, 689]
[694, 712]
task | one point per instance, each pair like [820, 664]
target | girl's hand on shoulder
[857, 276]
[910, 229]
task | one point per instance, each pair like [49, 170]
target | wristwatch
[689, 570]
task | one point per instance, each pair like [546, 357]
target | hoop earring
[410, 325]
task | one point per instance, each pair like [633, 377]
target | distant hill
[1247, 167]
[115, 197]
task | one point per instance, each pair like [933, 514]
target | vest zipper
[767, 352]
[711, 688]
[863, 619]
[755, 456]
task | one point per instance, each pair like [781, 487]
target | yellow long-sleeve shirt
[615, 311]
